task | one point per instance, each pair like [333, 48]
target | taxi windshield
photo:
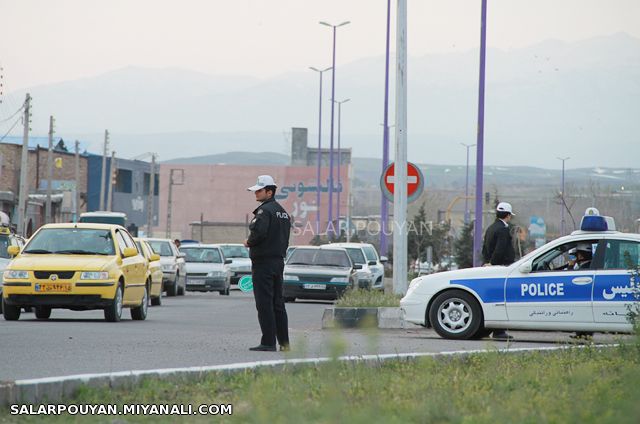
[4, 244]
[235, 251]
[72, 241]
[162, 248]
[202, 255]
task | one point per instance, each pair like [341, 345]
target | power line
[14, 114]
[10, 129]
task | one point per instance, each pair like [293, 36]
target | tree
[418, 237]
[463, 247]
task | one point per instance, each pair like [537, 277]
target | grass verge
[589, 385]
[361, 298]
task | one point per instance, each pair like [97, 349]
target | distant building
[130, 192]
[303, 155]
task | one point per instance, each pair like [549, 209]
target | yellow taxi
[154, 271]
[78, 267]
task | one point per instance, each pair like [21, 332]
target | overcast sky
[45, 41]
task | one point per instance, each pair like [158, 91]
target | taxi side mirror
[13, 250]
[154, 257]
[129, 252]
[525, 268]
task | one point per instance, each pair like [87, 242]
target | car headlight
[216, 274]
[291, 277]
[340, 280]
[94, 275]
[167, 268]
[12, 274]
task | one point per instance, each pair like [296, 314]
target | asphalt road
[202, 329]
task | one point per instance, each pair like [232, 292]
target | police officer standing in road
[497, 248]
[268, 241]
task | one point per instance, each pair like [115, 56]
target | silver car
[173, 266]
[207, 269]
[318, 272]
[372, 273]
[240, 262]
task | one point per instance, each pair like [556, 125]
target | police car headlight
[216, 274]
[91, 275]
[14, 275]
[289, 277]
[340, 280]
[413, 285]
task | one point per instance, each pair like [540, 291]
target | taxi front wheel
[455, 314]
[113, 312]
[10, 312]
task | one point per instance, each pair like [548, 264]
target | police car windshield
[72, 241]
[202, 255]
[4, 244]
[235, 251]
[320, 257]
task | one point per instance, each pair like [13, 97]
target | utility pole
[112, 170]
[400, 185]
[384, 206]
[349, 205]
[48, 215]
[76, 206]
[151, 200]
[24, 163]
[104, 168]
[170, 198]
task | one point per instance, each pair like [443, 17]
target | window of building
[124, 183]
[156, 186]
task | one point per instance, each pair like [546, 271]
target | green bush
[361, 298]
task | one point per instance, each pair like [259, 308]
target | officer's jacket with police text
[270, 229]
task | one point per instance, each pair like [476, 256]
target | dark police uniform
[498, 248]
[268, 242]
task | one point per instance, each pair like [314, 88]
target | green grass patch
[588, 385]
[361, 298]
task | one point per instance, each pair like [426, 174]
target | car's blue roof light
[594, 223]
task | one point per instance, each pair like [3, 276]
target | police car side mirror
[526, 267]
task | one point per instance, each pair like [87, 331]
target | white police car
[542, 291]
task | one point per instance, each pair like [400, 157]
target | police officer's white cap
[505, 207]
[584, 247]
[263, 181]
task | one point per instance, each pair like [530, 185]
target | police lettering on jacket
[269, 231]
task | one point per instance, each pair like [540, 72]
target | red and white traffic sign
[415, 182]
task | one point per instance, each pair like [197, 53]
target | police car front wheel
[456, 314]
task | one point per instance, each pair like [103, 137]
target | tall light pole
[320, 72]
[477, 228]
[333, 95]
[339, 156]
[466, 186]
[562, 223]
[400, 232]
[384, 206]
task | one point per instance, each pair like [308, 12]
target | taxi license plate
[53, 287]
[314, 286]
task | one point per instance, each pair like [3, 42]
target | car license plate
[197, 281]
[314, 286]
[53, 287]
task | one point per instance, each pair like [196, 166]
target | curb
[55, 389]
[383, 318]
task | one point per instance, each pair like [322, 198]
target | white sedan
[541, 291]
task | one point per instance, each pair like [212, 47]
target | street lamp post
[333, 94]
[339, 158]
[477, 228]
[320, 72]
[466, 186]
[384, 206]
[562, 223]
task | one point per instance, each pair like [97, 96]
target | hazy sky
[53, 40]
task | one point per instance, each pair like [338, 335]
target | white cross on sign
[411, 179]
